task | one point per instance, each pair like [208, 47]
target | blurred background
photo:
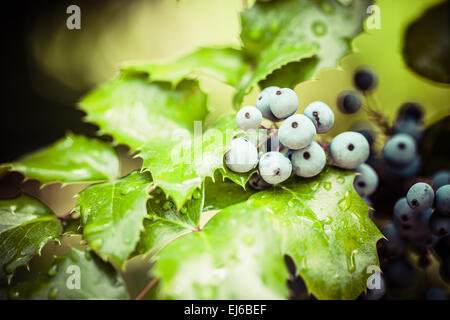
[47, 67]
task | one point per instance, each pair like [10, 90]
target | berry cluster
[421, 219]
[292, 146]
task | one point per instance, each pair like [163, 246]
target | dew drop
[319, 28]
[351, 261]
[183, 210]
[290, 203]
[344, 203]
[340, 180]
[327, 186]
[14, 294]
[196, 195]
[167, 205]
[52, 294]
[52, 271]
[327, 7]
[97, 243]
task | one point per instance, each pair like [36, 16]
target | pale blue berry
[443, 199]
[349, 150]
[400, 150]
[440, 224]
[420, 196]
[297, 132]
[248, 118]
[283, 103]
[309, 161]
[367, 182]
[441, 178]
[262, 103]
[403, 213]
[274, 167]
[242, 157]
[321, 115]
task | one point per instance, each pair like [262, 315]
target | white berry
[297, 132]
[321, 115]
[367, 182]
[242, 157]
[248, 118]
[283, 103]
[309, 161]
[262, 103]
[274, 167]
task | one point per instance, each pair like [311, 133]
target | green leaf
[135, 111]
[97, 280]
[71, 159]
[112, 215]
[164, 222]
[321, 223]
[26, 225]
[181, 175]
[224, 64]
[278, 33]
[270, 60]
[426, 45]
[236, 256]
[221, 192]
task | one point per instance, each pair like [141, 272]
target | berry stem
[376, 115]
[273, 132]
[147, 288]
[264, 127]
[279, 147]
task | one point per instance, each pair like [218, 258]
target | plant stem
[273, 132]
[147, 288]
[374, 112]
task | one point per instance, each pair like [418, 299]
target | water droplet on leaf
[52, 271]
[319, 28]
[167, 205]
[340, 180]
[52, 294]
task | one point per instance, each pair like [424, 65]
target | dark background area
[29, 120]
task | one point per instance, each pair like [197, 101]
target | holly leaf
[26, 225]
[222, 192]
[165, 222]
[180, 167]
[135, 111]
[71, 159]
[236, 256]
[112, 215]
[224, 64]
[321, 223]
[80, 275]
[278, 33]
[270, 60]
